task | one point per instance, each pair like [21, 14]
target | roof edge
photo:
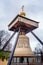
[22, 17]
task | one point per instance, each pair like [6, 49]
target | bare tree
[38, 47]
[4, 36]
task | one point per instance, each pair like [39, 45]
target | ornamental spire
[22, 8]
[22, 13]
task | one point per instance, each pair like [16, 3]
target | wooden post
[13, 50]
[37, 37]
[8, 41]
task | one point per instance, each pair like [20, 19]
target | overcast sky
[34, 10]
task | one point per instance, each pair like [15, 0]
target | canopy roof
[25, 23]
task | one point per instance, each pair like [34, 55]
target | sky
[34, 10]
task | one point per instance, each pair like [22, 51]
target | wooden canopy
[25, 23]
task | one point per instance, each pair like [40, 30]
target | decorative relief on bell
[23, 41]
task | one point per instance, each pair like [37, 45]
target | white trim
[24, 21]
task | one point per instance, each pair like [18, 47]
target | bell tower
[22, 49]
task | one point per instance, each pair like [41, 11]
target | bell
[23, 47]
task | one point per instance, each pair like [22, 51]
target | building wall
[3, 62]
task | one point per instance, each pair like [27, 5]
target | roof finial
[22, 13]
[22, 8]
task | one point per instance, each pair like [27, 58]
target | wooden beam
[8, 41]
[36, 37]
[13, 50]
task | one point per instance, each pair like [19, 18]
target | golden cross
[22, 8]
